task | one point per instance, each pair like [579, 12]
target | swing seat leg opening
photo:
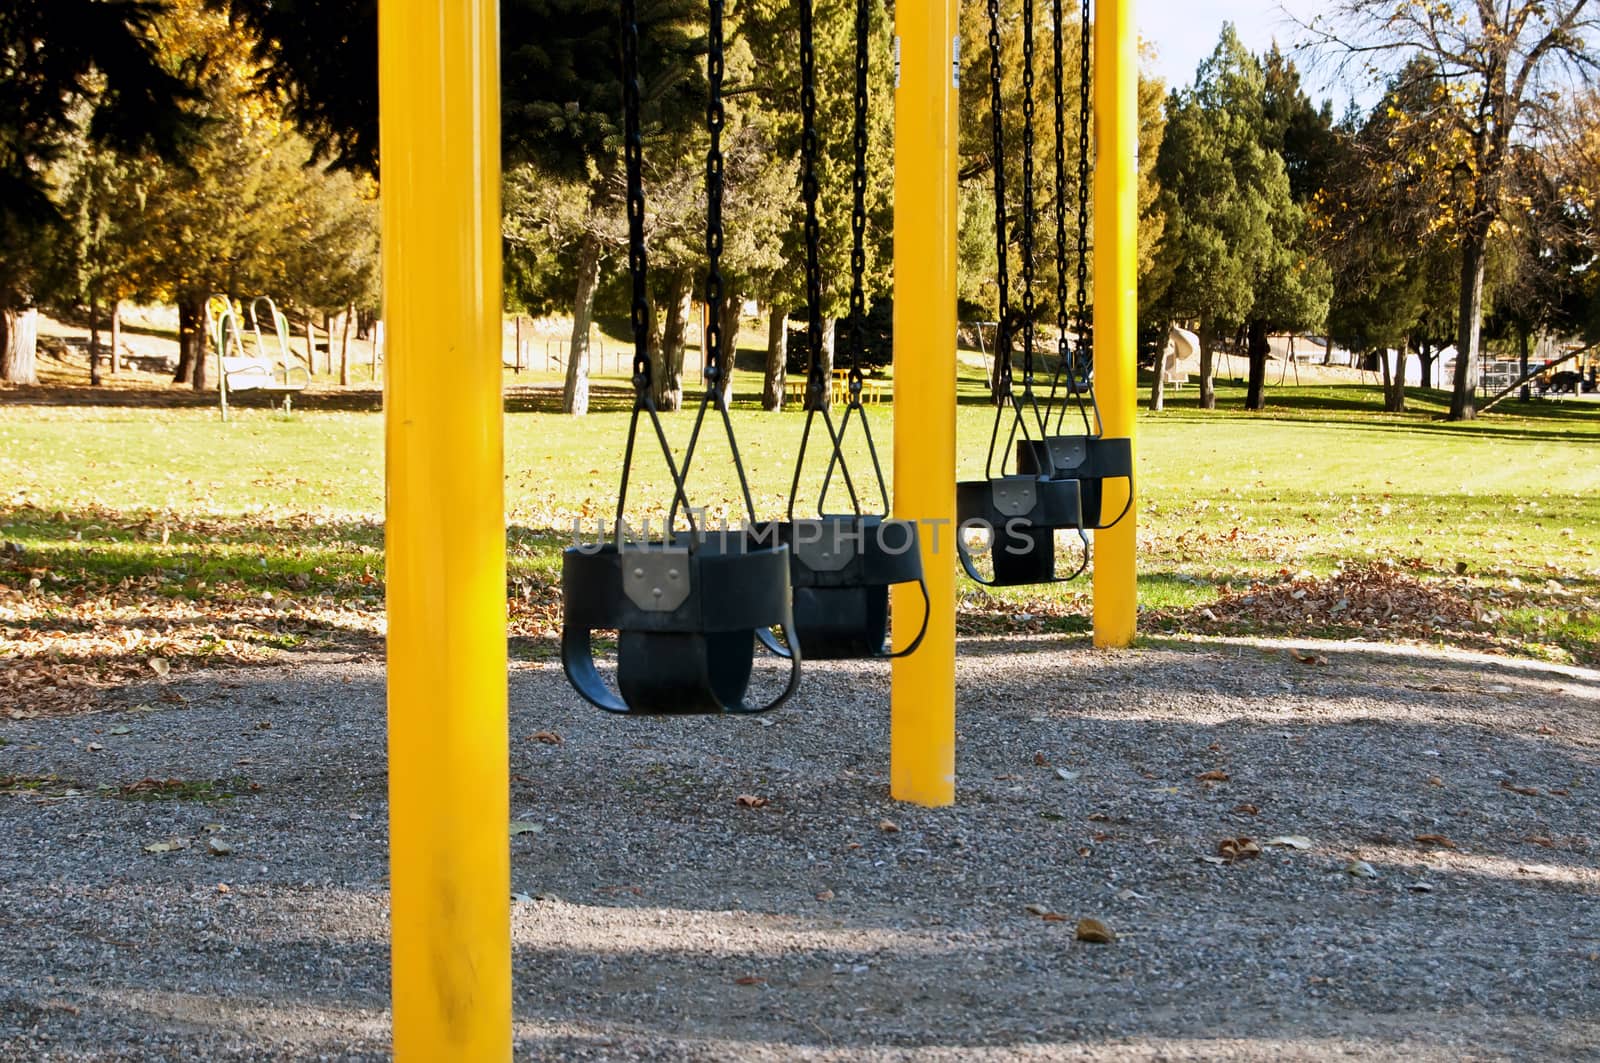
[673, 674]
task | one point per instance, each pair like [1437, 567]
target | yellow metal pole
[449, 848]
[922, 747]
[1116, 302]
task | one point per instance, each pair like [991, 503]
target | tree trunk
[824, 360]
[191, 340]
[19, 345]
[1208, 388]
[311, 344]
[776, 374]
[674, 336]
[1259, 347]
[728, 322]
[997, 365]
[575, 391]
[1158, 386]
[1327, 348]
[94, 340]
[1425, 357]
[344, 348]
[1473, 257]
[1522, 362]
[116, 336]
[1394, 381]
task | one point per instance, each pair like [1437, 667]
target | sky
[1183, 32]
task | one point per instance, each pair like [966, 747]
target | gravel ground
[660, 918]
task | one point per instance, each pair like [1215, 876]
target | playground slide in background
[1186, 345]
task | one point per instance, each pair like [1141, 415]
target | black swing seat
[1090, 460]
[842, 566]
[685, 622]
[1022, 512]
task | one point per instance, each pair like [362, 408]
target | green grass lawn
[175, 503]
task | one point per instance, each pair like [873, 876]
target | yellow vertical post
[1116, 301]
[449, 848]
[922, 747]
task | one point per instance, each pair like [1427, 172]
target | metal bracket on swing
[1014, 495]
[1067, 452]
[656, 579]
[829, 552]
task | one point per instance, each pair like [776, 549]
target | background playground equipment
[260, 365]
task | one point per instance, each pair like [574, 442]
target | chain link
[816, 380]
[1027, 194]
[1085, 352]
[858, 207]
[1002, 340]
[633, 155]
[1063, 347]
[715, 118]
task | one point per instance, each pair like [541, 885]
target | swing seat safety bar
[841, 567]
[685, 620]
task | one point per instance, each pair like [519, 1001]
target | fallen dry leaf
[1095, 932]
[888, 826]
[1434, 839]
[1246, 809]
[1306, 657]
[750, 979]
[752, 801]
[1525, 791]
[1235, 849]
[171, 845]
[1215, 775]
[824, 895]
[218, 847]
[549, 738]
[160, 665]
[1360, 869]
[1036, 909]
[1289, 841]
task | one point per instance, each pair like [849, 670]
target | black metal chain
[1063, 347]
[715, 118]
[1082, 363]
[639, 314]
[1027, 196]
[1002, 340]
[714, 395]
[810, 187]
[858, 207]
[633, 154]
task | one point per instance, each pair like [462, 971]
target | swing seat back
[841, 567]
[685, 622]
[1090, 460]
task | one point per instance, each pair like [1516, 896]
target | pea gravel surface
[1304, 851]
